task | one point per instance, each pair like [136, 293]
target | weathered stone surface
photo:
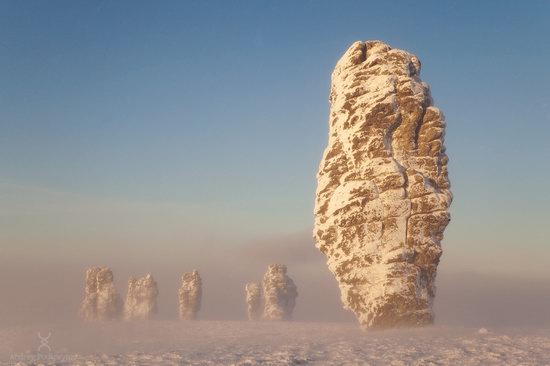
[101, 300]
[279, 293]
[254, 300]
[383, 191]
[190, 295]
[141, 300]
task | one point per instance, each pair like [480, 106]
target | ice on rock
[383, 193]
[190, 294]
[101, 300]
[141, 300]
[279, 292]
[254, 300]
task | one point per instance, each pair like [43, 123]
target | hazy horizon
[470, 299]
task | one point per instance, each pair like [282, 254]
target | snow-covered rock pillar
[279, 293]
[190, 295]
[253, 300]
[141, 300]
[383, 193]
[101, 300]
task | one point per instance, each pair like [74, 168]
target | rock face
[279, 293]
[141, 301]
[190, 294]
[101, 301]
[254, 300]
[383, 192]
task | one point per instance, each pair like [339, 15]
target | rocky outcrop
[254, 300]
[279, 293]
[141, 300]
[190, 294]
[101, 300]
[383, 192]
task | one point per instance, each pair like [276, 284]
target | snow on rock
[141, 300]
[101, 300]
[279, 293]
[254, 300]
[190, 294]
[383, 192]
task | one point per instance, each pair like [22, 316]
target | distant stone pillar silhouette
[279, 293]
[190, 295]
[254, 300]
[141, 301]
[101, 300]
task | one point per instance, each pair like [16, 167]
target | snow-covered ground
[268, 343]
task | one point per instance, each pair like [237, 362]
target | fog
[49, 291]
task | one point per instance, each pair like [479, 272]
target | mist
[49, 291]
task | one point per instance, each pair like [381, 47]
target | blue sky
[139, 119]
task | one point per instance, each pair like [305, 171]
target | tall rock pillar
[383, 193]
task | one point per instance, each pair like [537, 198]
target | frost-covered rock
[141, 300]
[101, 300]
[190, 294]
[279, 293]
[254, 300]
[383, 191]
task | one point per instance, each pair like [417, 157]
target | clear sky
[175, 127]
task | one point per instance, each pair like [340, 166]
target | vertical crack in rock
[383, 192]
[141, 300]
[279, 293]
[101, 300]
[254, 300]
[190, 294]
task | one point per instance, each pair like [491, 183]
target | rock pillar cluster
[274, 298]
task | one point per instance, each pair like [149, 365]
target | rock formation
[254, 300]
[190, 294]
[141, 300]
[383, 192]
[101, 301]
[279, 293]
